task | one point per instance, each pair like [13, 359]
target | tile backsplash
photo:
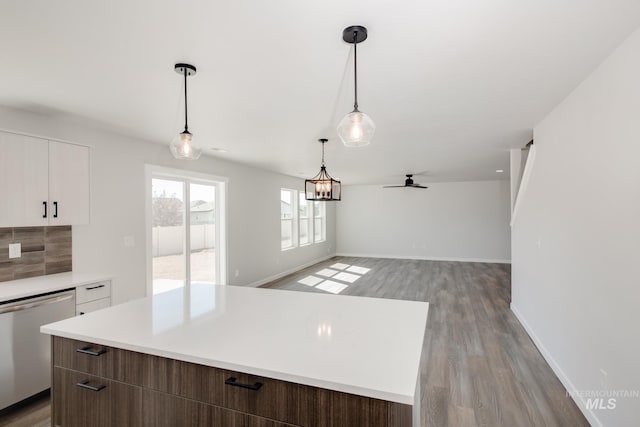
[45, 250]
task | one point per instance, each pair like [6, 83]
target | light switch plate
[129, 241]
[15, 250]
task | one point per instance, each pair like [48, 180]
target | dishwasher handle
[36, 302]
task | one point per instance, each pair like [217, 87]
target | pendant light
[182, 146]
[322, 187]
[356, 129]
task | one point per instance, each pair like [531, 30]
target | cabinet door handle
[95, 287]
[232, 381]
[55, 212]
[85, 384]
[87, 350]
[45, 209]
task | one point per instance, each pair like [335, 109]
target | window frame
[323, 218]
[293, 219]
[309, 218]
[297, 197]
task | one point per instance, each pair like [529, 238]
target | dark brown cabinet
[122, 387]
[263, 422]
[326, 408]
[165, 410]
[107, 362]
[86, 400]
[264, 397]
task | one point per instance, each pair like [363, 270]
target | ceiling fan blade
[409, 182]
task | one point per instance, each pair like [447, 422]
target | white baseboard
[427, 258]
[582, 405]
[287, 272]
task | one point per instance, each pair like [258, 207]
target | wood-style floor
[481, 368]
[34, 412]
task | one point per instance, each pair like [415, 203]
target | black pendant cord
[355, 69]
[186, 125]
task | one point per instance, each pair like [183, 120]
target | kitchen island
[234, 356]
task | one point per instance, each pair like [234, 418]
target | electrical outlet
[237, 272]
[129, 242]
[15, 250]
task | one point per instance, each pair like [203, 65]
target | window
[302, 222]
[319, 222]
[304, 219]
[288, 237]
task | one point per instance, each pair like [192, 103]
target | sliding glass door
[186, 242]
[168, 234]
[202, 225]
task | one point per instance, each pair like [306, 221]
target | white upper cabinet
[24, 180]
[42, 182]
[68, 184]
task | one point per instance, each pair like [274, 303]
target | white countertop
[22, 288]
[365, 346]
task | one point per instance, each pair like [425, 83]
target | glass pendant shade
[183, 147]
[356, 129]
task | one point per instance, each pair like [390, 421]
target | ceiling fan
[407, 183]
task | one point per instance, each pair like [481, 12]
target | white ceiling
[451, 84]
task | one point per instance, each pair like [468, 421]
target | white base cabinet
[93, 297]
[96, 305]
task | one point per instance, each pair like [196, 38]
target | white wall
[454, 221]
[576, 236]
[516, 167]
[118, 207]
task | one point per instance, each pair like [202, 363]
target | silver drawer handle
[87, 350]
[86, 385]
[95, 287]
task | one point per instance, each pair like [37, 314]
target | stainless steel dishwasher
[25, 353]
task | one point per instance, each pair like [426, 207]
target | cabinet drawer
[162, 409]
[85, 400]
[93, 291]
[90, 306]
[99, 360]
[265, 397]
